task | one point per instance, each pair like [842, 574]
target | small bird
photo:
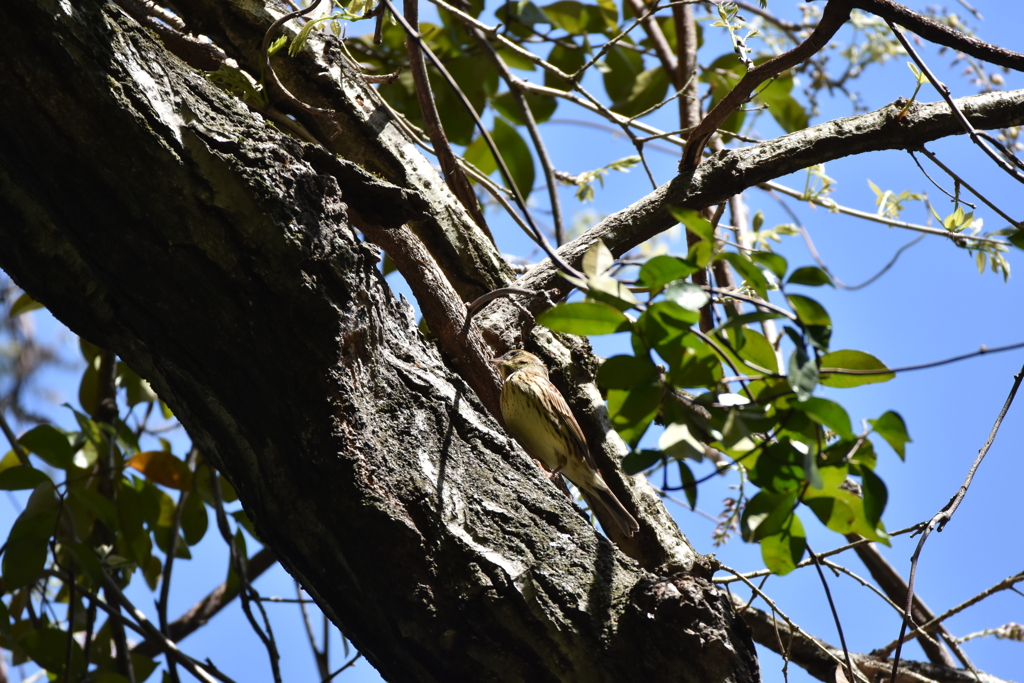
[538, 418]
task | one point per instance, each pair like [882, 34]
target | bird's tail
[607, 500]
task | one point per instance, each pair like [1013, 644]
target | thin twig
[935, 160]
[923, 366]
[13, 440]
[482, 301]
[450, 170]
[796, 194]
[839, 283]
[246, 591]
[941, 518]
[978, 138]
[1006, 583]
[832, 606]
[954, 197]
[775, 610]
[535, 231]
[531, 126]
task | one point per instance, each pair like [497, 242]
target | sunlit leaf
[688, 295]
[597, 260]
[661, 270]
[811, 276]
[783, 551]
[584, 318]
[891, 427]
[678, 442]
[694, 222]
[848, 359]
[632, 410]
[827, 413]
[772, 261]
[607, 289]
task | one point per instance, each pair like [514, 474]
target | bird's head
[516, 360]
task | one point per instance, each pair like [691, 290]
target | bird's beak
[496, 362]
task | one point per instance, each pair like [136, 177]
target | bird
[537, 416]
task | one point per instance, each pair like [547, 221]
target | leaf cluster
[727, 395]
[99, 509]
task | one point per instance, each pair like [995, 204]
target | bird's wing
[565, 416]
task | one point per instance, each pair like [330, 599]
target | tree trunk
[160, 218]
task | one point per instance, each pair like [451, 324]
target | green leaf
[773, 262]
[875, 495]
[699, 366]
[88, 388]
[1017, 238]
[722, 75]
[516, 154]
[607, 289]
[623, 372]
[833, 511]
[568, 59]
[689, 484]
[20, 478]
[809, 311]
[694, 222]
[803, 373]
[568, 15]
[24, 304]
[541, 106]
[50, 444]
[91, 502]
[664, 324]
[632, 410]
[814, 319]
[891, 427]
[638, 461]
[812, 276]
[584, 318]
[786, 111]
[24, 559]
[649, 88]
[745, 319]
[138, 389]
[779, 469]
[827, 413]
[87, 561]
[843, 512]
[194, 519]
[48, 648]
[783, 551]
[766, 514]
[661, 270]
[750, 352]
[619, 70]
[750, 273]
[688, 295]
[848, 359]
[598, 260]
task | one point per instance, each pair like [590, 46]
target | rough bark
[161, 219]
